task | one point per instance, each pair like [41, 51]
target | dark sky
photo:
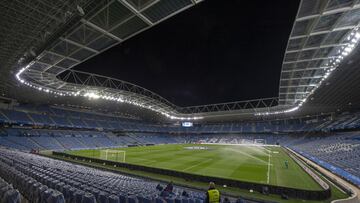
[217, 51]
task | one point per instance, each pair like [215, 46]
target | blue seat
[178, 200]
[11, 196]
[159, 200]
[140, 198]
[122, 198]
[88, 198]
[170, 200]
[71, 197]
[103, 197]
[54, 183]
[29, 184]
[198, 201]
[78, 196]
[191, 200]
[240, 201]
[33, 190]
[185, 200]
[4, 189]
[95, 192]
[38, 192]
[114, 199]
[56, 197]
[45, 195]
[65, 190]
[146, 200]
[59, 186]
[132, 199]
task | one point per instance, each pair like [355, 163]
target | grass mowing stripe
[247, 163]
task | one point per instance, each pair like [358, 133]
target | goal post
[113, 155]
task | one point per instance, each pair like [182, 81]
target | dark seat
[103, 198]
[88, 198]
[159, 200]
[132, 199]
[78, 196]
[170, 200]
[178, 200]
[45, 195]
[33, 190]
[56, 197]
[122, 198]
[11, 196]
[114, 199]
[185, 200]
[38, 193]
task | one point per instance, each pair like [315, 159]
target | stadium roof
[41, 43]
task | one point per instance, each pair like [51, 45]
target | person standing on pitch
[286, 164]
[212, 195]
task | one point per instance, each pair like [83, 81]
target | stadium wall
[272, 189]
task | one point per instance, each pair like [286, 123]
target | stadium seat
[170, 200]
[123, 198]
[178, 200]
[132, 199]
[103, 197]
[78, 196]
[114, 199]
[45, 195]
[88, 198]
[56, 197]
[11, 196]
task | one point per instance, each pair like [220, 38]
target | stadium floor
[260, 164]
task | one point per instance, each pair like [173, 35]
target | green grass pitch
[260, 164]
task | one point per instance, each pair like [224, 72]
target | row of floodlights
[353, 39]
[95, 95]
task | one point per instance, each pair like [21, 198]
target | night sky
[217, 51]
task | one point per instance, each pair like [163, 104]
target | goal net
[113, 155]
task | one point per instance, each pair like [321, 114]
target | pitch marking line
[198, 164]
[268, 170]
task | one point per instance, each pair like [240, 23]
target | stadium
[70, 133]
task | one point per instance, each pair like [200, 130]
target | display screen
[187, 124]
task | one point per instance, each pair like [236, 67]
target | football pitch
[258, 164]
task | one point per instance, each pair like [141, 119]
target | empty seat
[38, 193]
[103, 197]
[88, 198]
[11, 196]
[170, 200]
[56, 197]
[114, 199]
[33, 189]
[198, 201]
[159, 200]
[122, 198]
[4, 189]
[95, 192]
[185, 200]
[78, 196]
[45, 195]
[65, 190]
[132, 199]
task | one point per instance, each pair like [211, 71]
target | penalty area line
[198, 164]
[268, 169]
